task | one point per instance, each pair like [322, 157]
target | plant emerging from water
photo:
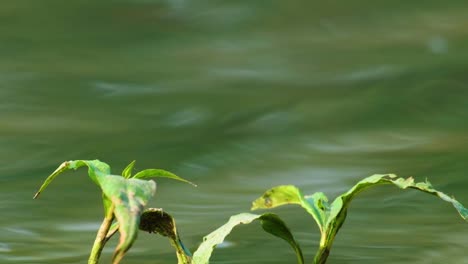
[330, 217]
[125, 197]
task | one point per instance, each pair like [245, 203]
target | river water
[237, 96]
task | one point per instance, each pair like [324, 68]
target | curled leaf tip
[36, 195]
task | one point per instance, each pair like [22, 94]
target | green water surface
[237, 96]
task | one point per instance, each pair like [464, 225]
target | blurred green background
[237, 96]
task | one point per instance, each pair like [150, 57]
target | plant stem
[322, 255]
[324, 248]
[101, 240]
[183, 255]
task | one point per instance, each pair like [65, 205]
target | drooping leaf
[341, 203]
[316, 204]
[152, 173]
[96, 169]
[129, 197]
[270, 223]
[155, 220]
[127, 172]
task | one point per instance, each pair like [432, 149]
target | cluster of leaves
[125, 197]
[330, 217]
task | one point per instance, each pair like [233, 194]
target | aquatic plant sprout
[124, 198]
[330, 217]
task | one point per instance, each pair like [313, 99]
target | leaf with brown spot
[315, 204]
[129, 197]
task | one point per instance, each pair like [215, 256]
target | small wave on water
[79, 227]
[370, 142]
[25, 245]
[19, 231]
[4, 247]
[123, 89]
[372, 73]
[187, 117]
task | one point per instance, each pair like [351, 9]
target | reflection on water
[237, 97]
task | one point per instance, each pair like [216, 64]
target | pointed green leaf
[151, 173]
[270, 223]
[127, 172]
[96, 169]
[155, 220]
[316, 204]
[129, 197]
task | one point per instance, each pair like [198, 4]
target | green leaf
[127, 172]
[96, 169]
[316, 204]
[270, 223]
[107, 203]
[155, 220]
[129, 197]
[151, 173]
[341, 203]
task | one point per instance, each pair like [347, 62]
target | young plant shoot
[124, 198]
[330, 217]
